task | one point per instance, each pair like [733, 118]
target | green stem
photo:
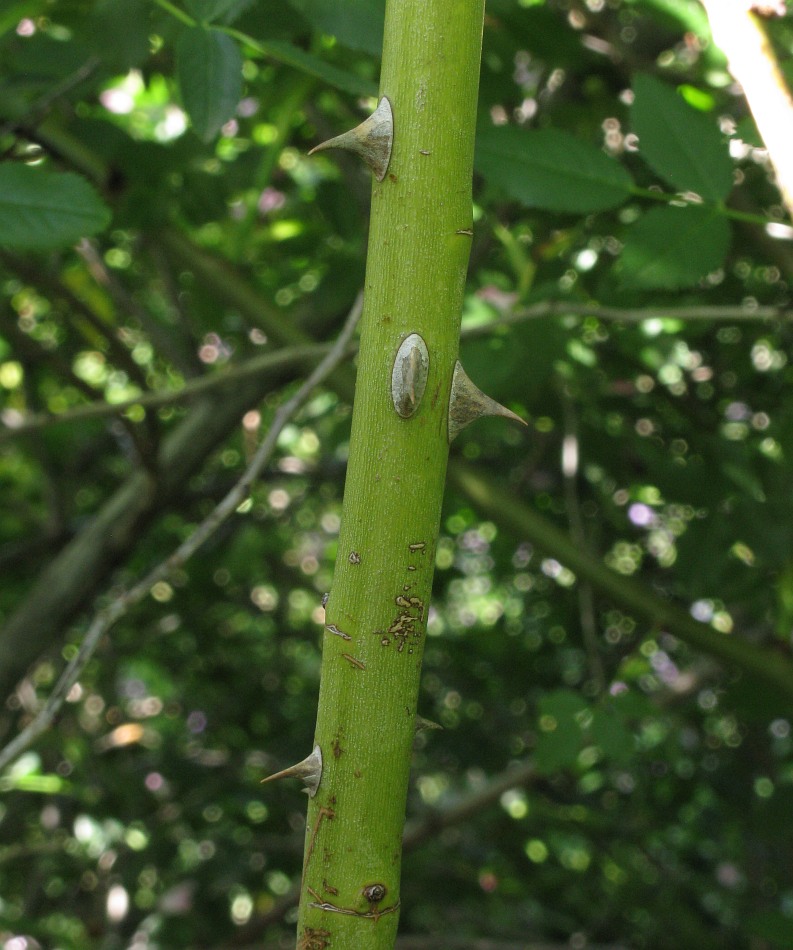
[284, 53]
[290, 55]
[419, 244]
[282, 120]
[176, 12]
[666, 197]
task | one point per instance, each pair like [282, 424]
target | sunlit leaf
[674, 247]
[209, 68]
[682, 145]
[551, 169]
[41, 209]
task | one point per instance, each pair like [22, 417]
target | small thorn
[309, 770]
[467, 403]
[421, 724]
[372, 139]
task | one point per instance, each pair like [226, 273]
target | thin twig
[432, 942]
[586, 596]
[194, 387]
[126, 302]
[121, 604]
[573, 308]
[300, 354]
[43, 103]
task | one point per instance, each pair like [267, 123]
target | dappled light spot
[763, 787]
[197, 721]
[241, 908]
[641, 515]
[154, 782]
[515, 804]
[162, 592]
[780, 728]
[536, 850]
[278, 499]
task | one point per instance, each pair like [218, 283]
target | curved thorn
[467, 403]
[371, 140]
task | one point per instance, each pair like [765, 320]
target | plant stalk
[376, 616]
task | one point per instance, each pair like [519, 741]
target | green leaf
[684, 15]
[209, 68]
[355, 23]
[773, 926]
[118, 33]
[611, 734]
[551, 169]
[681, 144]
[673, 247]
[297, 58]
[559, 738]
[41, 210]
[207, 11]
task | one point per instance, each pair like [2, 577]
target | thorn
[372, 139]
[467, 403]
[421, 724]
[309, 770]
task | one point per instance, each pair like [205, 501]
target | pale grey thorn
[309, 770]
[467, 403]
[372, 140]
[421, 724]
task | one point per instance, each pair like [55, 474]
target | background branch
[306, 352]
[121, 604]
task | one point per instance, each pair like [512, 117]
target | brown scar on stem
[314, 939]
[468, 232]
[329, 888]
[354, 661]
[324, 812]
[352, 912]
[332, 628]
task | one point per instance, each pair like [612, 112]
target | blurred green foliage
[659, 809]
